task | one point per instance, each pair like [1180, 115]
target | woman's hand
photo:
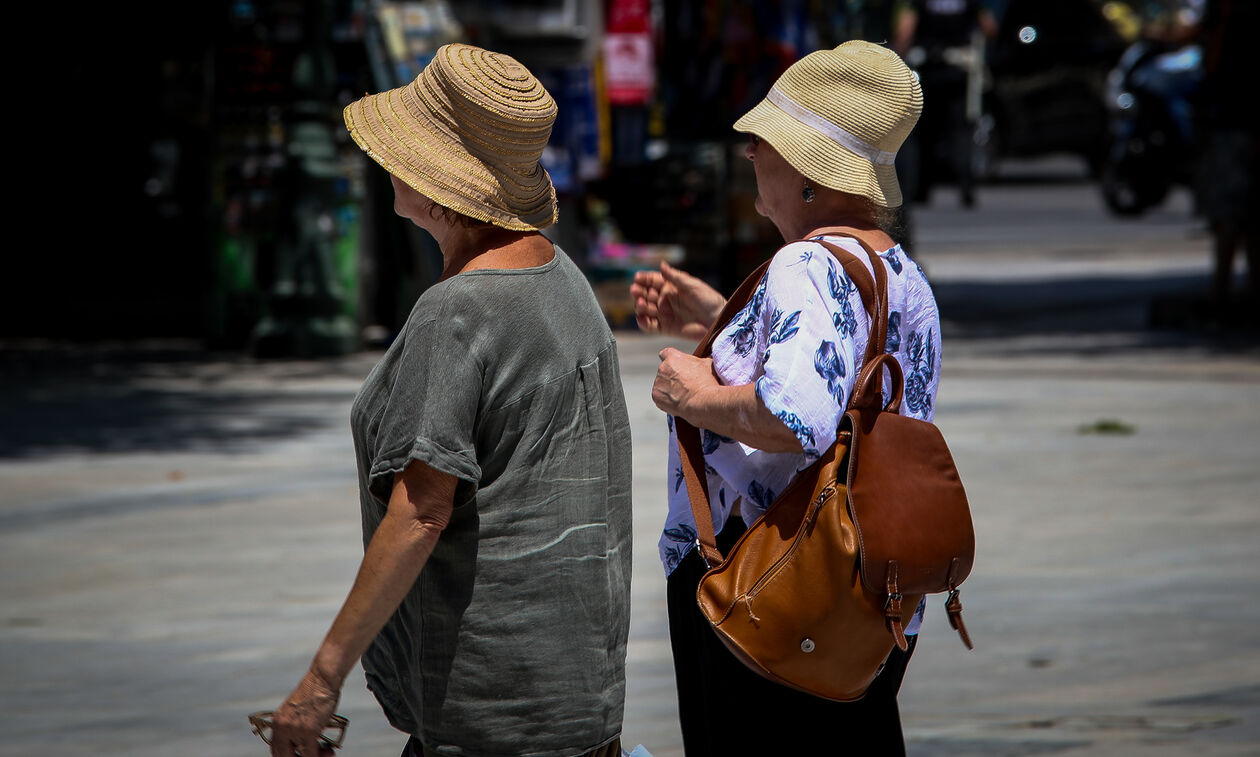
[686, 387]
[675, 303]
[680, 380]
[420, 506]
[299, 722]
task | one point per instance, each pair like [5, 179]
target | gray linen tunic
[513, 639]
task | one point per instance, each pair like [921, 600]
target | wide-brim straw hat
[468, 134]
[839, 116]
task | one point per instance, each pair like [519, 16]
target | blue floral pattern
[805, 257]
[893, 343]
[802, 431]
[709, 441]
[762, 495]
[841, 289]
[782, 329]
[682, 538]
[827, 364]
[744, 337]
[919, 373]
[799, 341]
[894, 262]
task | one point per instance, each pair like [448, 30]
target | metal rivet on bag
[807, 646]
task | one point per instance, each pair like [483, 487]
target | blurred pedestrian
[1229, 172]
[769, 400]
[872, 20]
[938, 38]
[491, 609]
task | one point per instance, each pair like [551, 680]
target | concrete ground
[177, 530]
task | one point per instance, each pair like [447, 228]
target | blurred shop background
[182, 170]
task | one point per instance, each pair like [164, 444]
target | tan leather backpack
[818, 590]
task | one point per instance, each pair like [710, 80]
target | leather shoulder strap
[874, 293]
[690, 451]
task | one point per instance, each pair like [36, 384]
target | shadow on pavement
[1155, 311]
[168, 398]
[115, 399]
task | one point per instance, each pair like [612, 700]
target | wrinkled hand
[299, 722]
[675, 303]
[680, 379]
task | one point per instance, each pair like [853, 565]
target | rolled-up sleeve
[430, 412]
[803, 371]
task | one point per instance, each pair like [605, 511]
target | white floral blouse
[800, 340]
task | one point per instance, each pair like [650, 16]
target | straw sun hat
[467, 134]
[839, 116]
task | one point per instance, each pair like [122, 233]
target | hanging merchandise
[554, 23]
[629, 67]
[412, 32]
[285, 266]
[572, 156]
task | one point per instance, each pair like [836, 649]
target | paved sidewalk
[177, 570]
[177, 531]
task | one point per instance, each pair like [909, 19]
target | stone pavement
[177, 531]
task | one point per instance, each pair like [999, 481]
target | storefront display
[287, 197]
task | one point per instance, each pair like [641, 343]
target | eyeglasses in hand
[333, 734]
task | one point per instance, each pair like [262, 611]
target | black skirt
[726, 709]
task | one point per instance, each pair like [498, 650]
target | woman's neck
[473, 249]
[840, 212]
[864, 230]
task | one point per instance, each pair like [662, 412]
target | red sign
[629, 16]
[629, 68]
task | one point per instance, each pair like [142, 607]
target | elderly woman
[822, 143]
[491, 609]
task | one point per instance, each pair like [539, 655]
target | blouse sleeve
[787, 343]
[808, 362]
[430, 412]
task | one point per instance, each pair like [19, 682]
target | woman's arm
[672, 302]
[686, 387]
[419, 508]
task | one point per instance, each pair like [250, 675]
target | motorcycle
[1149, 96]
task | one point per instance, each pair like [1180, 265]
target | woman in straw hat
[822, 143]
[491, 609]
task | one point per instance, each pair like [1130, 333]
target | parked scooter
[1149, 96]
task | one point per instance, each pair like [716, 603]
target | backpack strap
[743, 294]
[874, 292]
[689, 448]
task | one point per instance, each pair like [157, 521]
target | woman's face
[778, 183]
[409, 203]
